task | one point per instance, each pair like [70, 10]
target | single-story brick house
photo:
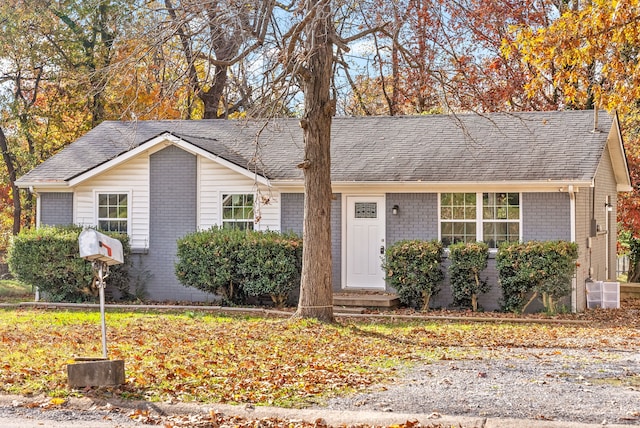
[494, 177]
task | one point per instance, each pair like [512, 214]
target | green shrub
[467, 260]
[236, 263]
[270, 263]
[535, 269]
[414, 269]
[207, 261]
[49, 258]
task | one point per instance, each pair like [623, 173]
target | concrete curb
[333, 418]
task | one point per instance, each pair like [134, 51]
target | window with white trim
[237, 211]
[494, 220]
[500, 218]
[113, 212]
[458, 214]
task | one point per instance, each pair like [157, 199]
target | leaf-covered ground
[14, 291]
[209, 358]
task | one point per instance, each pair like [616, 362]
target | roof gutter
[436, 186]
[42, 184]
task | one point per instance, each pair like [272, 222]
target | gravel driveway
[545, 384]
[590, 386]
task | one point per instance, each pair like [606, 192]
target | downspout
[572, 217]
[36, 297]
[608, 237]
[38, 205]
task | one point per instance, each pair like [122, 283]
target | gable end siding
[56, 209]
[214, 180]
[131, 176]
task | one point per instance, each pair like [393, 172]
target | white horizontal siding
[131, 176]
[216, 180]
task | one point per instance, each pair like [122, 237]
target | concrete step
[348, 310]
[629, 290]
[366, 300]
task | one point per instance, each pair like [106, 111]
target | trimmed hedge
[270, 263]
[535, 269]
[235, 263]
[207, 260]
[414, 269]
[49, 258]
[467, 261]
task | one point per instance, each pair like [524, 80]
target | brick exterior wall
[173, 207]
[292, 217]
[56, 209]
[336, 241]
[593, 248]
[546, 216]
[590, 203]
[583, 216]
[489, 301]
[292, 212]
[417, 216]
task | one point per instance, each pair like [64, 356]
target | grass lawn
[211, 358]
[13, 291]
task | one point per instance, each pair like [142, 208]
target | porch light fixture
[395, 209]
[608, 206]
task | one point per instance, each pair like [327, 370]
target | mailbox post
[103, 251]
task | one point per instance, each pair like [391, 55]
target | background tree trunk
[316, 295]
[11, 171]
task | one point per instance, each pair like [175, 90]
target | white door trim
[346, 200]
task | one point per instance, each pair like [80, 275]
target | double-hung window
[458, 217]
[237, 211]
[113, 212]
[500, 218]
[489, 217]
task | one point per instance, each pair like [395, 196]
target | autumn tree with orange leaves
[590, 55]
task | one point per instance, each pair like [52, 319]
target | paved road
[75, 415]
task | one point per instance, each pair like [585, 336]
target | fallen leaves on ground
[220, 420]
[627, 315]
[197, 357]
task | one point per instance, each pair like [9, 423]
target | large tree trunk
[634, 272]
[211, 98]
[11, 171]
[316, 295]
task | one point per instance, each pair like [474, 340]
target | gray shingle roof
[536, 146]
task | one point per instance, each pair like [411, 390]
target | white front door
[365, 236]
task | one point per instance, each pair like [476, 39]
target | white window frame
[479, 220]
[96, 198]
[222, 219]
[473, 221]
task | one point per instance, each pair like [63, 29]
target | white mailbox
[98, 246]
